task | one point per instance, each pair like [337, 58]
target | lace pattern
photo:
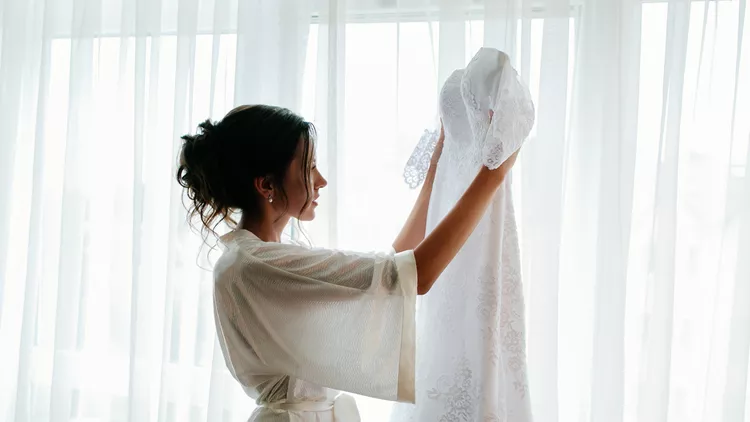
[490, 83]
[458, 393]
[419, 162]
[512, 122]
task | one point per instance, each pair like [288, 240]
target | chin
[307, 215]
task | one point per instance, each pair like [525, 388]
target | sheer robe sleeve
[337, 319]
[491, 83]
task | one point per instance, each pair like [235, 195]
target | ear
[264, 187]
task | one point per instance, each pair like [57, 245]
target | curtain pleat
[631, 192]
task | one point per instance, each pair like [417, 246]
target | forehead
[304, 146]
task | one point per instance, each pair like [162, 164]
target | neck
[267, 230]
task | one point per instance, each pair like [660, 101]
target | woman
[297, 324]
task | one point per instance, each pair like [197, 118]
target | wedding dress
[471, 359]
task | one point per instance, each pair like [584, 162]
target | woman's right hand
[438, 147]
[505, 167]
[499, 174]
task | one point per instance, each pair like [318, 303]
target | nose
[320, 181]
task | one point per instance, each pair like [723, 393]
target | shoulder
[244, 254]
[239, 248]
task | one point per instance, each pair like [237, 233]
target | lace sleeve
[419, 162]
[512, 121]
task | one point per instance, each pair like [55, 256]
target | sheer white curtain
[633, 191]
[106, 315]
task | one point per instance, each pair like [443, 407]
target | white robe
[297, 324]
[471, 361]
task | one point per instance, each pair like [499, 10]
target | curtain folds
[633, 190]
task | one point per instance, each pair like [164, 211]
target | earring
[270, 198]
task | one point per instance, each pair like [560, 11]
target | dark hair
[219, 165]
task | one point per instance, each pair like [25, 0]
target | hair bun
[199, 145]
[195, 157]
[207, 128]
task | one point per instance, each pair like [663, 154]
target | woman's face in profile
[302, 195]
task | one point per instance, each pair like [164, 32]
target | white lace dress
[471, 360]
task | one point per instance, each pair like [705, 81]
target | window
[390, 97]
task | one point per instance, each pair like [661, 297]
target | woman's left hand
[438, 147]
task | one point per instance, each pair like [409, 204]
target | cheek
[297, 194]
